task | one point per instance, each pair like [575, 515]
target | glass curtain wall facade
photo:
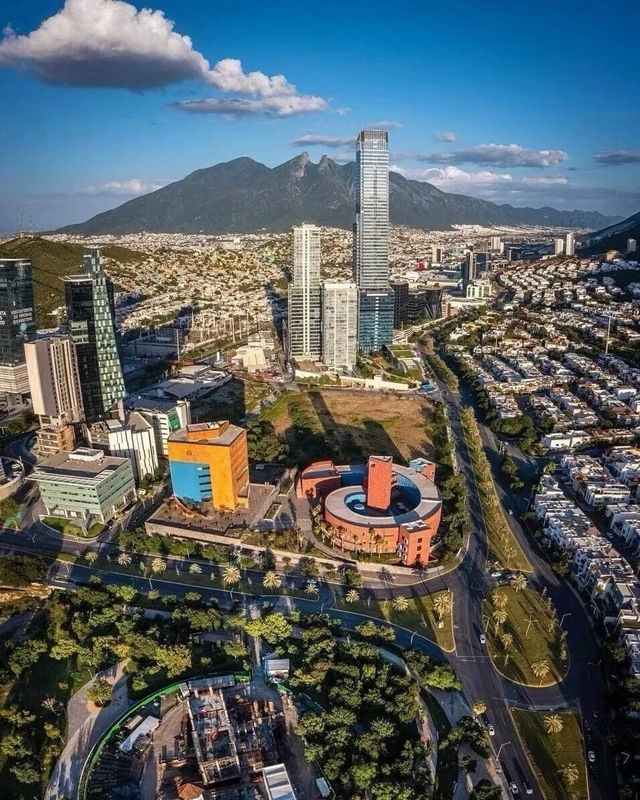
[17, 315]
[371, 241]
[91, 319]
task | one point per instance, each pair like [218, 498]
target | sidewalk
[83, 730]
[455, 707]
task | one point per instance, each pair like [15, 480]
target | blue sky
[530, 103]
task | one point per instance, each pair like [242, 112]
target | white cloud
[385, 124]
[112, 44]
[236, 107]
[105, 43]
[497, 155]
[454, 178]
[313, 139]
[444, 136]
[616, 158]
[130, 187]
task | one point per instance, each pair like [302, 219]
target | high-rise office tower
[54, 381]
[495, 244]
[570, 244]
[469, 269]
[304, 316]
[371, 241]
[339, 324]
[17, 323]
[558, 247]
[91, 319]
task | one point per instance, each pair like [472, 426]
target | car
[483, 639]
[591, 756]
[510, 512]
[491, 730]
[513, 788]
[496, 574]
[527, 787]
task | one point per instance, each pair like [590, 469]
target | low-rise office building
[85, 484]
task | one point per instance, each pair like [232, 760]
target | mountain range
[615, 237]
[245, 196]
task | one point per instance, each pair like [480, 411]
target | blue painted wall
[190, 481]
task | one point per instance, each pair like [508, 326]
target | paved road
[581, 688]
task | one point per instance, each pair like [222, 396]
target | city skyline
[166, 104]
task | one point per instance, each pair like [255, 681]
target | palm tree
[569, 773]
[195, 569]
[231, 575]
[499, 599]
[124, 559]
[352, 596]
[311, 587]
[158, 566]
[519, 582]
[271, 580]
[400, 603]
[479, 708]
[507, 643]
[499, 617]
[553, 723]
[91, 557]
[541, 669]
[442, 604]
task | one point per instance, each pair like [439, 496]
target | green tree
[100, 692]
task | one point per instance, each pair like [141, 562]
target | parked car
[491, 730]
[591, 756]
[483, 639]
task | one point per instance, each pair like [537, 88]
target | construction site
[210, 739]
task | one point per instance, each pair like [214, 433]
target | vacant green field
[349, 425]
[529, 637]
[549, 753]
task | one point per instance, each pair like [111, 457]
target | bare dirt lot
[350, 425]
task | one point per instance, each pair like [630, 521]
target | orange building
[378, 482]
[209, 462]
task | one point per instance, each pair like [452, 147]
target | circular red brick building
[378, 507]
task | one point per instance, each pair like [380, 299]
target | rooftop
[82, 463]
[213, 433]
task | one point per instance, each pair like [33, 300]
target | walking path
[84, 727]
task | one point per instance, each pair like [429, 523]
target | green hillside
[51, 261]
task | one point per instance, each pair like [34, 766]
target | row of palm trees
[499, 615]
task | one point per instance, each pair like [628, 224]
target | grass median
[524, 638]
[557, 757]
[420, 615]
[502, 547]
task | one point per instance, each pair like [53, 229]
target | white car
[491, 730]
[514, 789]
[496, 574]
[591, 756]
[483, 639]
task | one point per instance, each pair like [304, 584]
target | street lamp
[568, 614]
[498, 768]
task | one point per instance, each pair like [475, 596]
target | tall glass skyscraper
[91, 319]
[17, 323]
[371, 241]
